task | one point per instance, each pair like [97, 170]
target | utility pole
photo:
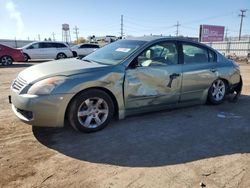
[39, 37]
[122, 34]
[226, 33]
[177, 28]
[53, 35]
[76, 31]
[242, 15]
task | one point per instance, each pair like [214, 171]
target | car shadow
[157, 139]
[17, 65]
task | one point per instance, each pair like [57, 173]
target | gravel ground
[172, 148]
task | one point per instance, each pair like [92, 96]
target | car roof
[161, 38]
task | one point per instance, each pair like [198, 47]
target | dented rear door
[152, 85]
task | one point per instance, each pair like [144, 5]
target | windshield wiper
[88, 60]
[92, 61]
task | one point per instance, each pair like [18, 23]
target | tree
[80, 40]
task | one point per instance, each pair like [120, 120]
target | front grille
[18, 83]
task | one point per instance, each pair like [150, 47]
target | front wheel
[90, 111]
[217, 92]
[6, 60]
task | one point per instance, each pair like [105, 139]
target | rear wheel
[6, 61]
[217, 92]
[74, 53]
[90, 111]
[61, 56]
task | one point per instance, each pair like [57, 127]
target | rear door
[199, 71]
[154, 77]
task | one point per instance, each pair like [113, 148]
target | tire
[26, 57]
[90, 111]
[217, 92]
[6, 60]
[61, 56]
[74, 54]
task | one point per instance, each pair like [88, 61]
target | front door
[154, 77]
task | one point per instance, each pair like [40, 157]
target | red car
[8, 55]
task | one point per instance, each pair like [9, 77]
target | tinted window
[160, 54]
[195, 54]
[47, 45]
[89, 46]
[60, 45]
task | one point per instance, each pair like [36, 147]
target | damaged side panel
[149, 86]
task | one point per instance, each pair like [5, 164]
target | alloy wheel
[218, 90]
[6, 60]
[93, 112]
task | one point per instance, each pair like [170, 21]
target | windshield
[27, 45]
[114, 53]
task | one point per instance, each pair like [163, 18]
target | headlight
[46, 86]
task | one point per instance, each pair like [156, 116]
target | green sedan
[123, 78]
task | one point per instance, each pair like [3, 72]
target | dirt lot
[177, 148]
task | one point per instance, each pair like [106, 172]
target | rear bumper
[42, 111]
[236, 87]
[18, 58]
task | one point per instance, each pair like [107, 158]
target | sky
[26, 19]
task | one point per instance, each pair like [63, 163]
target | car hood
[64, 67]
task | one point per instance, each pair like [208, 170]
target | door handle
[174, 75]
[171, 78]
[213, 70]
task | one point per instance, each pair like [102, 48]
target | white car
[46, 50]
[84, 49]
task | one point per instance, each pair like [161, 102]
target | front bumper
[42, 111]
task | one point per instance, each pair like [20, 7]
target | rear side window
[195, 54]
[47, 45]
[60, 45]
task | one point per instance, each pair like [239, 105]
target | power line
[242, 15]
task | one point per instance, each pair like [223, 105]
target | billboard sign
[211, 33]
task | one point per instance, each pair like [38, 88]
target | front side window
[34, 46]
[164, 53]
[83, 46]
[195, 54]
